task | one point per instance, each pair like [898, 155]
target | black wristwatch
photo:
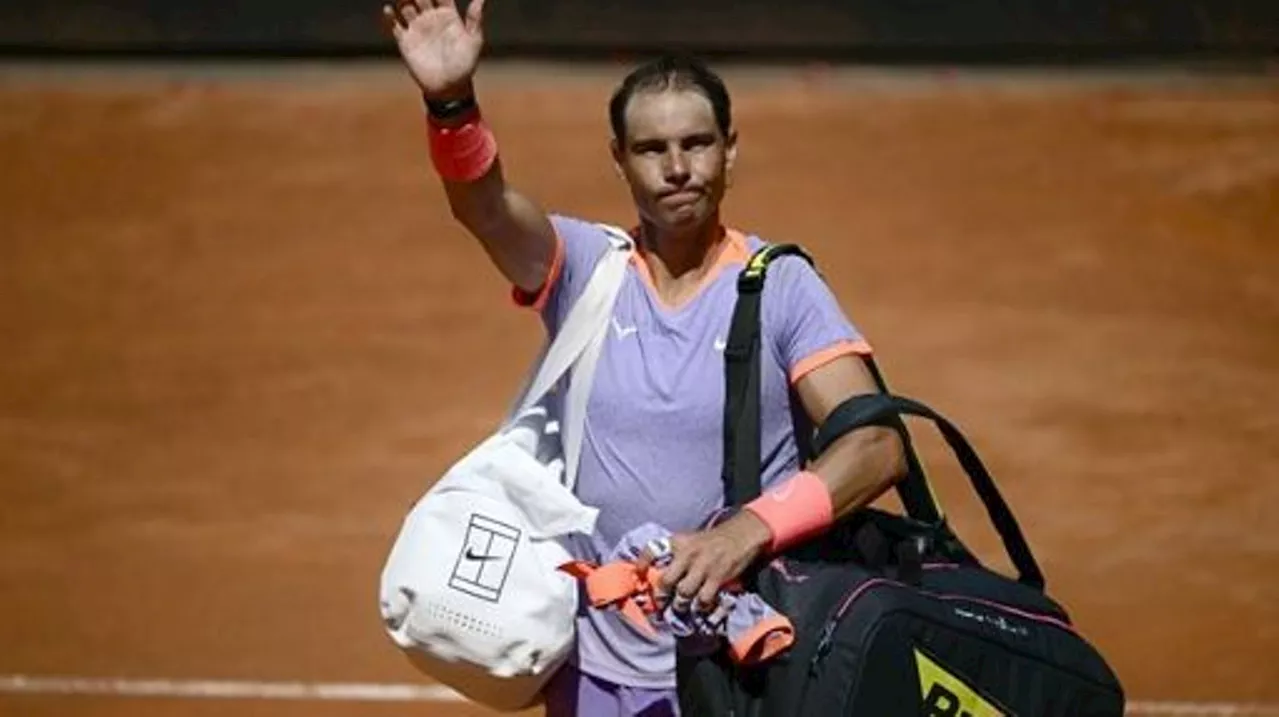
[449, 109]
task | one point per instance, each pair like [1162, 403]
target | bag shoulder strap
[575, 349]
[740, 469]
[741, 466]
[613, 270]
[588, 317]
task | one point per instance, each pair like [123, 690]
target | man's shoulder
[585, 233]
[574, 223]
[786, 264]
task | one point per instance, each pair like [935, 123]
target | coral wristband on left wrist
[795, 510]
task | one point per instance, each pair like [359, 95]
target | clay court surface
[241, 334]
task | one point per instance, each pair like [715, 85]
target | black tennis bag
[893, 614]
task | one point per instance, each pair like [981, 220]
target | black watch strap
[449, 109]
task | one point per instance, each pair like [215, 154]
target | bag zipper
[827, 637]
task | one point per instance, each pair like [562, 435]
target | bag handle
[884, 410]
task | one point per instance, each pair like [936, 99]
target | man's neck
[678, 262]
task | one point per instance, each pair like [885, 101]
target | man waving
[653, 437]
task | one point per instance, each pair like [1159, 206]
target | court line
[375, 692]
[227, 689]
[1199, 709]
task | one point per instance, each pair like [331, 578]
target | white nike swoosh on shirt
[720, 344]
[622, 331]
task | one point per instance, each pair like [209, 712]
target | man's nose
[676, 168]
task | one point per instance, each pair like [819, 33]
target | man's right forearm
[513, 231]
[441, 49]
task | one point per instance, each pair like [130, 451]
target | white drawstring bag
[470, 590]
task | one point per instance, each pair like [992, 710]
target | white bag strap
[573, 422]
[586, 324]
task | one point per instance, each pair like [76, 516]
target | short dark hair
[670, 71]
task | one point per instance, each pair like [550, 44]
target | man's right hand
[441, 50]
[440, 47]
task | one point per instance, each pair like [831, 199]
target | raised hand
[440, 47]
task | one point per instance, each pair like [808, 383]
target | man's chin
[682, 218]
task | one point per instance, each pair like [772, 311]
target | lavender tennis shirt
[653, 440]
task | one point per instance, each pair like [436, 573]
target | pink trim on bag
[1011, 609]
[844, 606]
[1045, 619]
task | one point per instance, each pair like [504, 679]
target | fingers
[694, 577]
[694, 586]
[398, 15]
[707, 596]
[698, 590]
[475, 15]
[672, 575]
[407, 10]
[690, 586]
[391, 22]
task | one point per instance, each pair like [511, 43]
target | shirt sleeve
[809, 327]
[579, 245]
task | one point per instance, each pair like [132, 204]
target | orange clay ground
[241, 333]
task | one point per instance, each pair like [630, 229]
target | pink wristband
[797, 509]
[463, 153]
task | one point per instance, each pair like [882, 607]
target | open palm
[440, 47]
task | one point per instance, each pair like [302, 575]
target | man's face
[674, 157]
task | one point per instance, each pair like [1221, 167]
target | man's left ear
[730, 154]
[615, 152]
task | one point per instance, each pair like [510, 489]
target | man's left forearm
[854, 471]
[860, 466]
[850, 474]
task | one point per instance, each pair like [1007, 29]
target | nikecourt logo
[472, 555]
[483, 563]
[621, 331]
